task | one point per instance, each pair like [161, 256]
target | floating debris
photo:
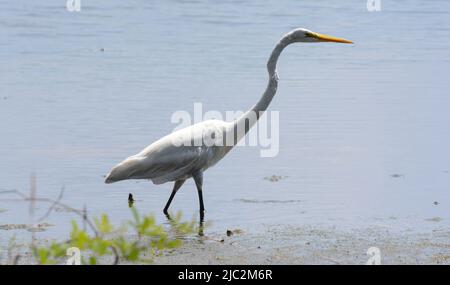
[232, 232]
[8, 227]
[274, 178]
[63, 210]
[268, 201]
[32, 228]
[397, 175]
[39, 227]
[435, 219]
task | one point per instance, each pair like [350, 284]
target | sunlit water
[364, 128]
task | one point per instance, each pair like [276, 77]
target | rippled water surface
[364, 128]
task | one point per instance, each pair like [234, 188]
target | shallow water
[364, 129]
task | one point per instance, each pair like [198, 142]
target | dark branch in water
[54, 203]
[118, 247]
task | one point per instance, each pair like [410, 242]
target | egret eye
[310, 34]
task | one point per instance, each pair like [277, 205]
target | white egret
[186, 153]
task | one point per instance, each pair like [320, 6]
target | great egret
[177, 157]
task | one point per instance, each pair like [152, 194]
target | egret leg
[176, 187]
[198, 178]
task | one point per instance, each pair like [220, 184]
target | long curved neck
[244, 123]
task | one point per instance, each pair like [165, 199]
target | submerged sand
[314, 245]
[306, 245]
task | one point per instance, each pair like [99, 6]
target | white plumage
[176, 156]
[190, 151]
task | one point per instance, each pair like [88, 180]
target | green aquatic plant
[137, 240]
[98, 241]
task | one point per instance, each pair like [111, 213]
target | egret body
[176, 157]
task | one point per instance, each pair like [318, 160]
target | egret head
[307, 36]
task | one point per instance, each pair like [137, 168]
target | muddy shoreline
[314, 245]
[303, 245]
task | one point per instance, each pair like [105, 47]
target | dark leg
[176, 187]
[198, 178]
